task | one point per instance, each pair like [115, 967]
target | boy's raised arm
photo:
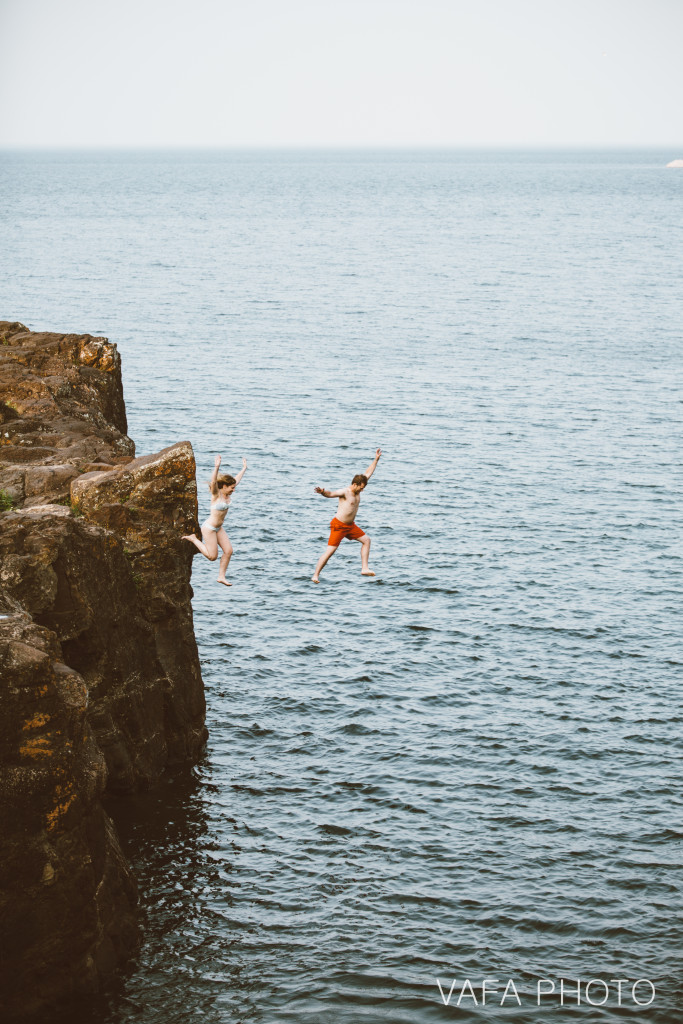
[373, 465]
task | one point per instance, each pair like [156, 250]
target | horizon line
[334, 147]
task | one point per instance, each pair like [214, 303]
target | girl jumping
[213, 534]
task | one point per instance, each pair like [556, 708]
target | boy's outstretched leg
[323, 560]
[365, 555]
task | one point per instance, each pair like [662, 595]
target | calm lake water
[468, 767]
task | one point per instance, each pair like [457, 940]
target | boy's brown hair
[360, 478]
[225, 481]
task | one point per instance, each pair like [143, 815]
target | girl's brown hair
[225, 481]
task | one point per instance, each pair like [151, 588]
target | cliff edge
[100, 684]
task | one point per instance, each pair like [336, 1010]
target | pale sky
[276, 73]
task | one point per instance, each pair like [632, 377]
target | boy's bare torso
[348, 505]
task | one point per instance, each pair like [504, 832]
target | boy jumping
[343, 524]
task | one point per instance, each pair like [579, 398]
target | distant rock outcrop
[100, 684]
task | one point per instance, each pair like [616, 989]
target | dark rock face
[67, 897]
[150, 503]
[99, 674]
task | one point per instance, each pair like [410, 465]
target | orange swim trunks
[339, 530]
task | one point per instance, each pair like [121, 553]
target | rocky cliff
[100, 685]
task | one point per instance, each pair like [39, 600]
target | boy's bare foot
[367, 572]
[314, 579]
[225, 583]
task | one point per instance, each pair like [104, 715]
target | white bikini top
[220, 506]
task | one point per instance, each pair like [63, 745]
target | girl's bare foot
[314, 579]
[189, 537]
[367, 572]
[225, 583]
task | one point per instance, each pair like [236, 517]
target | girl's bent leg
[209, 547]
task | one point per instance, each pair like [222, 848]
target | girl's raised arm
[241, 472]
[214, 476]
